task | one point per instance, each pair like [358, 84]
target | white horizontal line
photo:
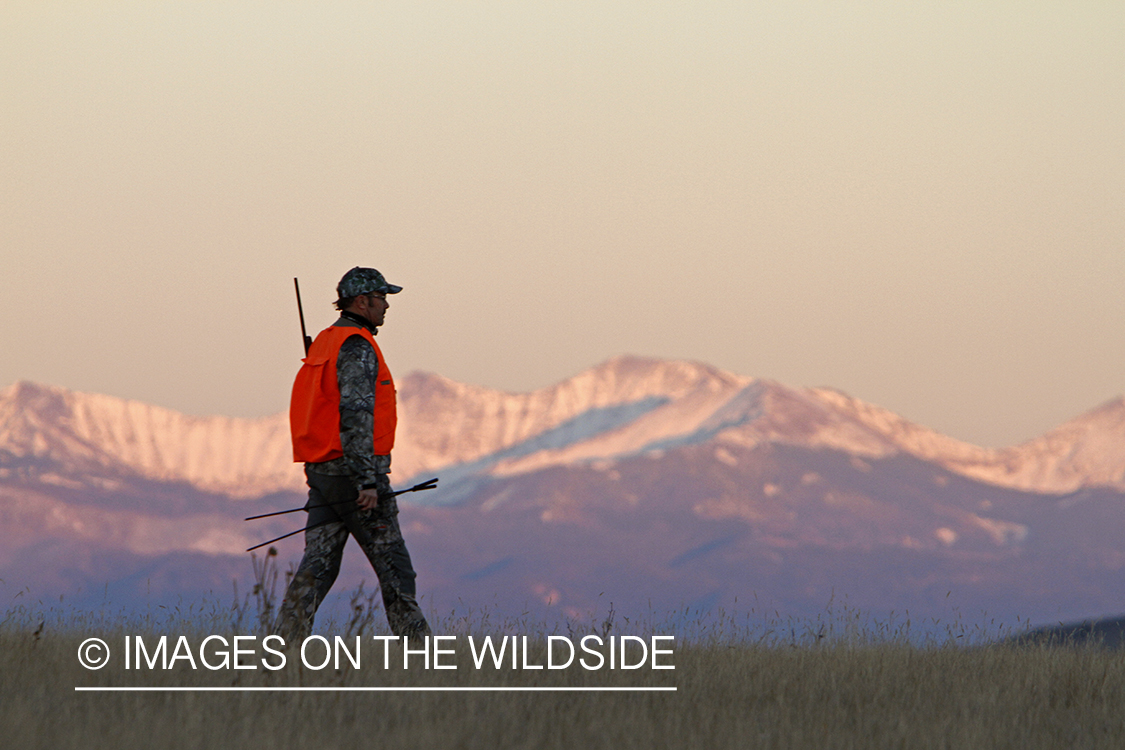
[372, 689]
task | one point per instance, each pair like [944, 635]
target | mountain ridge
[640, 479]
[625, 406]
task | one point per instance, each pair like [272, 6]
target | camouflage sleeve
[357, 367]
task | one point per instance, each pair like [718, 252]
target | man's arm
[357, 368]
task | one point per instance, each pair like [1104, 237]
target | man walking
[342, 416]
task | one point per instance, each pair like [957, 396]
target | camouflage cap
[364, 281]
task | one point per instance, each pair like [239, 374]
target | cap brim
[392, 289]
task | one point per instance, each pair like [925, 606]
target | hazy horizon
[918, 204]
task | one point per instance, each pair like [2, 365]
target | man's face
[374, 308]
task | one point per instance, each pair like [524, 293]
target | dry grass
[761, 683]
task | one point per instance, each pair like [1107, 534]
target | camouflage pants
[378, 534]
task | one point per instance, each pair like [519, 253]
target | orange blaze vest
[314, 409]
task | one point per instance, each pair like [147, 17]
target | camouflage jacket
[357, 367]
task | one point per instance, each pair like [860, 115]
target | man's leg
[324, 550]
[386, 551]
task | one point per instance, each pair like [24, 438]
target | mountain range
[650, 483]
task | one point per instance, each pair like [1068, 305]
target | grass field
[824, 684]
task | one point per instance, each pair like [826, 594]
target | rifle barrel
[301, 312]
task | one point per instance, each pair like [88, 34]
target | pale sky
[922, 204]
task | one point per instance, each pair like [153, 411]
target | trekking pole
[301, 312]
[307, 528]
[291, 533]
[430, 485]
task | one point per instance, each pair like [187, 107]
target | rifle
[301, 312]
[431, 484]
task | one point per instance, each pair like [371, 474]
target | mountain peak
[639, 365]
[29, 394]
[1110, 413]
[444, 422]
[627, 378]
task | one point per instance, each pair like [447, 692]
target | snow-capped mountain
[73, 437]
[638, 479]
[1088, 451]
[626, 406]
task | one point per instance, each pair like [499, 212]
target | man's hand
[368, 499]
